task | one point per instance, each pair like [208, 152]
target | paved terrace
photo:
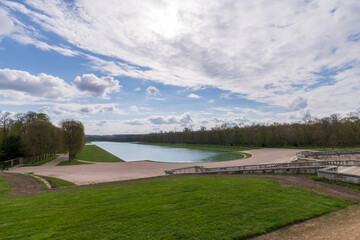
[107, 172]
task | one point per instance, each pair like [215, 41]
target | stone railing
[340, 155]
[331, 173]
[327, 169]
[259, 167]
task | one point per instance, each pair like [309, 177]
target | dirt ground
[340, 225]
[22, 184]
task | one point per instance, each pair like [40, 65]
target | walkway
[107, 172]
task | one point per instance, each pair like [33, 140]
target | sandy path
[340, 225]
[107, 172]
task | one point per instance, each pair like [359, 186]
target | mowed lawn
[174, 208]
[94, 153]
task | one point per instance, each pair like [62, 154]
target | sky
[129, 67]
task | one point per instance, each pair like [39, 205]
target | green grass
[73, 162]
[348, 185]
[205, 147]
[94, 153]
[57, 182]
[174, 208]
[39, 163]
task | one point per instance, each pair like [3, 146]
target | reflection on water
[136, 152]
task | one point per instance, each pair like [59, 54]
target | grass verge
[94, 153]
[39, 163]
[348, 185]
[57, 182]
[73, 162]
[237, 150]
[192, 208]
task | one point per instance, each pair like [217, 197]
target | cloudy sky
[150, 65]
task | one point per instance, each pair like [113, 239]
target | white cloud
[102, 123]
[192, 95]
[134, 108]
[97, 87]
[40, 86]
[78, 110]
[298, 104]
[134, 122]
[153, 90]
[272, 52]
[23, 85]
[6, 24]
[137, 89]
[183, 120]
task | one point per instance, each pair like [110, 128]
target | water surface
[136, 152]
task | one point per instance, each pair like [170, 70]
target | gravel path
[108, 172]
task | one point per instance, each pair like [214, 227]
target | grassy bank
[205, 147]
[351, 186]
[175, 208]
[39, 163]
[94, 153]
[57, 182]
[73, 162]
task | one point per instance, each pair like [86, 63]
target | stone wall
[331, 173]
[331, 155]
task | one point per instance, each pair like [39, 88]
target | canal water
[136, 152]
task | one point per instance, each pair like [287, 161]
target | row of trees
[33, 135]
[333, 131]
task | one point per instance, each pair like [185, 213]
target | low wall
[331, 173]
[331, 155]
[285, 170]
[324, 169]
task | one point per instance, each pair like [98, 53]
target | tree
[73, 136]
[5, 122]
[11, 148]
[37, 138]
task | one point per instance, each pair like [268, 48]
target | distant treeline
[333, 131]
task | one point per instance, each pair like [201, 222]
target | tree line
[32, 135]
[333, 131]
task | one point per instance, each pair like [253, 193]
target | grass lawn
[348, 185]
[73, 162]
[39, 163]
[175, 208]
[94, 153]
[57, 182]
[205, 147]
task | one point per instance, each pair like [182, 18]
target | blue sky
[145, 66]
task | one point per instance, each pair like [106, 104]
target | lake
[136, 152]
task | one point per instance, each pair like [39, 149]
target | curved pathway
[108, 172]
[22, 184]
